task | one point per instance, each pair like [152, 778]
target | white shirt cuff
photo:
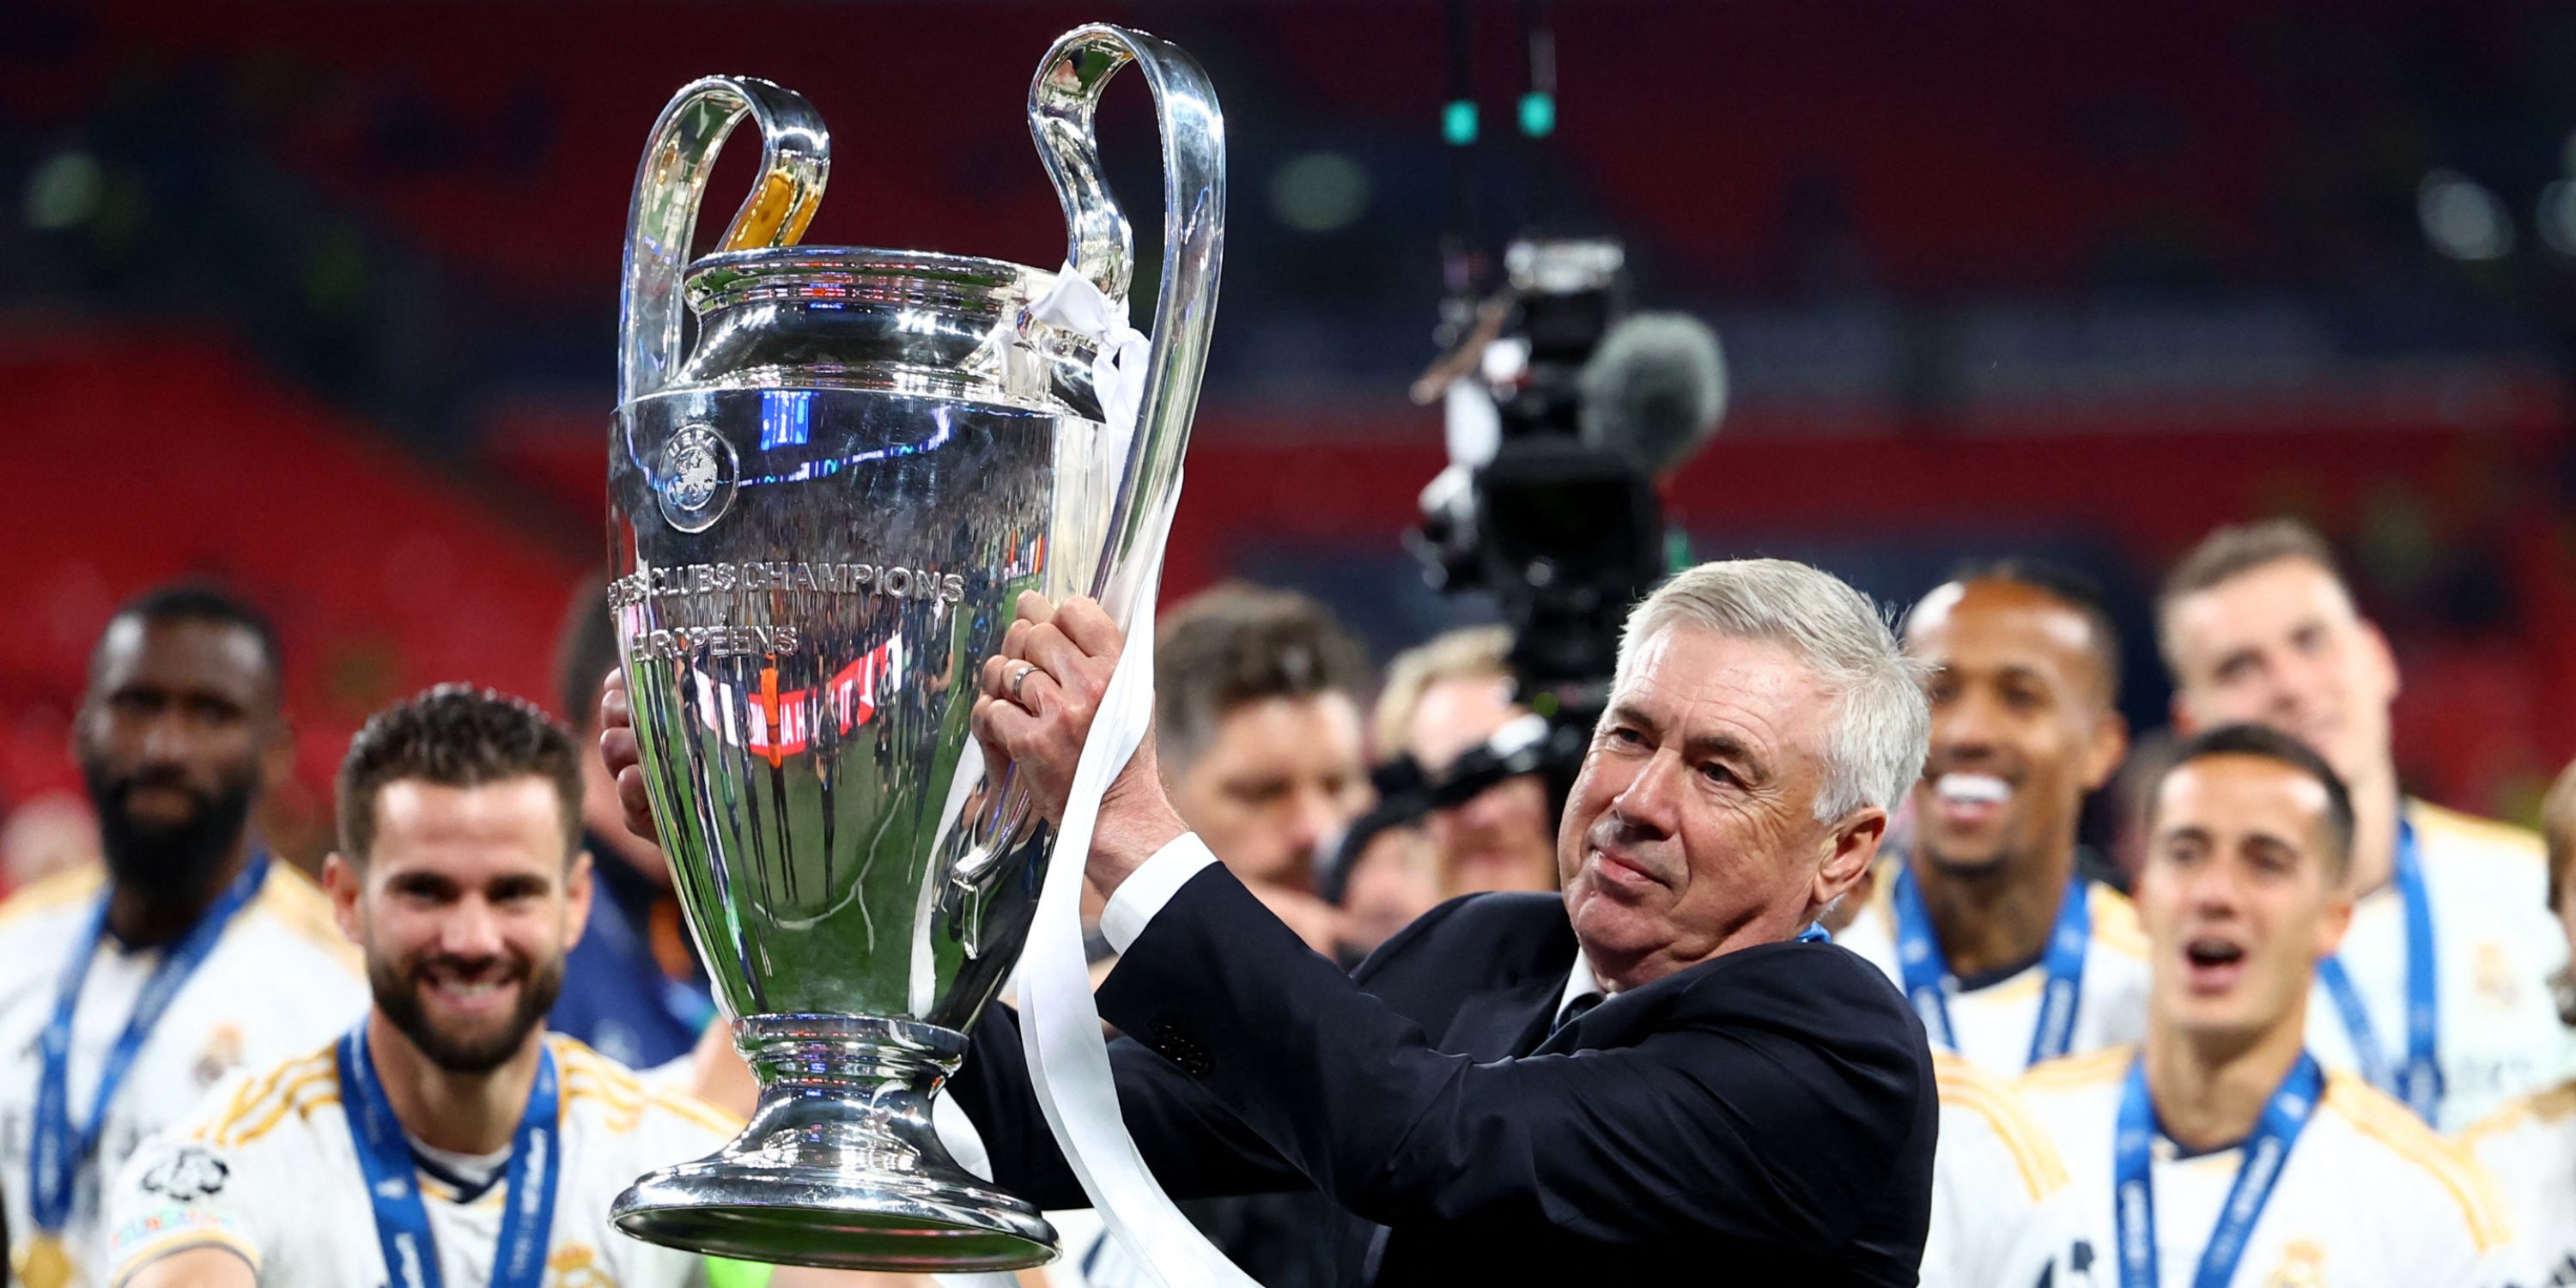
[1150, 886]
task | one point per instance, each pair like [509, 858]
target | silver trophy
[822, 515]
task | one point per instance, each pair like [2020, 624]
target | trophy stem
[840, 1166]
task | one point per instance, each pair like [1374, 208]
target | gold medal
[42, 1263]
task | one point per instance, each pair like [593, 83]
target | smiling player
[2005, 949]
[447, 1138]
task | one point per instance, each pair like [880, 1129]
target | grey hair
[1882, 723]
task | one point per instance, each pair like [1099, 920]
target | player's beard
[398, 992]
[170, 864]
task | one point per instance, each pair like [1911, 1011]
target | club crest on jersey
[2303, 1265]
[2497, 981]
[190, 1173]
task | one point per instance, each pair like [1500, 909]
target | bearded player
[124, 994]
[446, 1138]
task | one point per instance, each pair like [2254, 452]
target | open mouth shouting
[2213, 963]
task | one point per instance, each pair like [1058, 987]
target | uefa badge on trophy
[822, 514]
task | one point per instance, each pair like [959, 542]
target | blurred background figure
[51, 834]
[2529, 1145]
[1994, 921]
[2440, 994]
[129, 987]
[1441, 700]
[1257, 707]
[633, 986]
[2217, 1150]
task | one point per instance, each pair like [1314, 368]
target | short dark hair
[2069, 587]
[2270, 744]
[2231, 552]
[192, 601]
[585, 652]
[455, 736]
[1236, 644]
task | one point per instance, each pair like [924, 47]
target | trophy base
[840, 1166]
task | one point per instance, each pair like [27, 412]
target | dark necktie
[1575, 1010]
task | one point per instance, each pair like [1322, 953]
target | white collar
[1579, 982]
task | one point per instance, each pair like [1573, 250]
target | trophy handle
[1062, 102]
[671, 181]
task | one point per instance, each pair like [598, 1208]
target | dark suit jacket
[1766, 1117]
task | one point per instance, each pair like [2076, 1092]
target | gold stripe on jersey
[2467, 833]
[2115, 921]
[2072, 1071]
[291, 899]
[2391, 1124]
[259, 1095]
[53, 892]
[2543, 1106]
[301, 1097]
[587, 1073]
[1972, 1089]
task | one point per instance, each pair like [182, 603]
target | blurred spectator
[50, 834]
[2439, 993]
[1257, 697]
[1443, 699]
[633, 987]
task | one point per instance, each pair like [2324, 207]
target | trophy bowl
[822, 514]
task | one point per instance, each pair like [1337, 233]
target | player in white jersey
[444, 1139]
[2000, 1194]
[2529, 1146]
[2008, 952]
[126, 993]
[2219, 1152]
[2439, 995]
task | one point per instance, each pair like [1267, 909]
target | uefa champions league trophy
[822, 516]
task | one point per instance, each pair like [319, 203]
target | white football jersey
[1992, 1023]
[2529, 1149]
[2370, 1197]
[2000, 1194]
[280, 979]
[2495, 945]
[267, 1167]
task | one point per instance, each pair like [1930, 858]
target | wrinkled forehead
[1695, 682]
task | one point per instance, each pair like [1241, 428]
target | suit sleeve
[1745, 1112]
[1195, 1148]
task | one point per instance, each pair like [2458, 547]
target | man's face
[1500, 839]
[465, 908]
[1692, 826]
[2021, 724]
[2281, 645]
[174, 738]
[1279, 777]
[2237, 897]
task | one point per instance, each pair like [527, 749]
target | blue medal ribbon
[1926, 969]
[2267, 1152]
[58, 1147]
[2419, 1081]
[393, 1183]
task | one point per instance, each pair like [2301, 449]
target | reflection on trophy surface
[822, 514]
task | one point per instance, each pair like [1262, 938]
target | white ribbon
[1059, 1021]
